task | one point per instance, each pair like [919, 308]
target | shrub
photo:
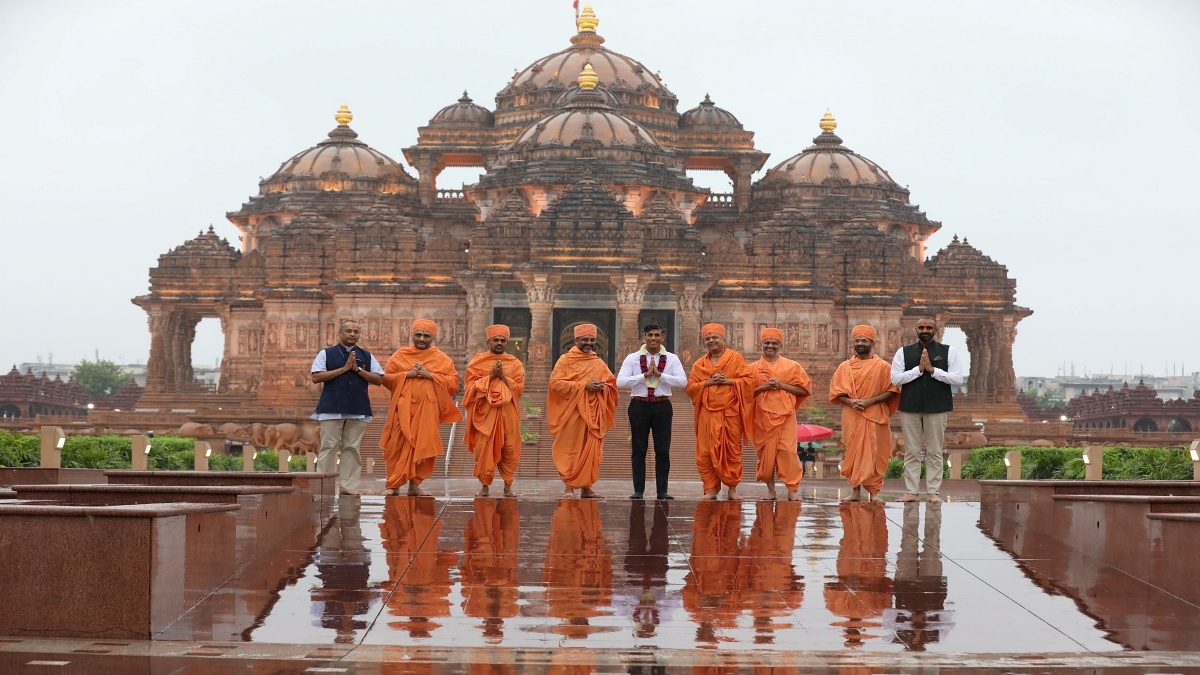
[19, 450]
[1067, 463]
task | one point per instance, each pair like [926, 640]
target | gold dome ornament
[343, 115]
[827, 122]
[587, 22]
[588, 79]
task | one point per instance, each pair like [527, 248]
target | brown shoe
[909, 497]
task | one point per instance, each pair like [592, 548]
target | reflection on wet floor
[616, 574]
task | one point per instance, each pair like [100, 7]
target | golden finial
[586, 22]
[588, 79]
[343, 115]
[827, 122]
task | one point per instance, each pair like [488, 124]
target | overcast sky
[1061, 138]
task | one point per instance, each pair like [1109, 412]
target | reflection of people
[780, 387]
[489, 568]
[344, 409]
[646, 565]
[925, 371]
[650, 374]
[578, 573]
[770, 586]
[863, 385]
[862, 590]
[410, 529]
[344, 568]
[721, 391]
[708, 589]
[581, 407]
[422, 379]
[920, 616]
[808, 458]
[492, 391]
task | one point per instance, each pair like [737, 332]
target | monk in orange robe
[863, 385]
[422, 379]
[489, 565]
[492, 392]
[721, 389]
[780, 387]
[418, 571]
[578, 571]
[580, 408]
[862, 590]
[709, 591]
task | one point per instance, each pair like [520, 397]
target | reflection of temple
[584, 212]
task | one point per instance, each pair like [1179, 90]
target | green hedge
[173, 453]
[1067, 463]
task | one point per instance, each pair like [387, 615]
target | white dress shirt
[318, 366]
[631, 375]
[952, 375]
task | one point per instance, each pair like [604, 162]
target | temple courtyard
[452, 584]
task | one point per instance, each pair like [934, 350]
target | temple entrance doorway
[954, 337]
[563, 337]
[207, 348]
[520, 322]
[660, 317]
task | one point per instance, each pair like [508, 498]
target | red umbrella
[812, 432]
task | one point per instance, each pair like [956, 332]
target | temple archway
[9, 411]
[1179, 425]
[1145, 424]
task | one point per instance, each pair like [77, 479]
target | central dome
[587, 120]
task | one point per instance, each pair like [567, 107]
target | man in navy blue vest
[926, 372]
[344, 411]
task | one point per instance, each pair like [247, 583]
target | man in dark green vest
[926, 372]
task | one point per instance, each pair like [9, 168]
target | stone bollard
[139, 452]
[310, 462]
[53, 440]
[1093, 462]
[248, 455]
[201, 451]
[1194, 451]
[955, 463]
[1012, 460]
[285, 456]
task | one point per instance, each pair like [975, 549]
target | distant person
[650, 373]
[581, 408]
[808, 458]
[926, 372]
[862, 385]
[721, 391]
[422, 380]
[492, 391]
[344, 372]
[780, 388]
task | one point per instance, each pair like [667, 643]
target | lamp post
[1194, 451]
[955, 463]
[1012, 460]
[1093, 462]
[285, 456]
[53, 440]
[248, 455]
[139, 452]
[202, 451]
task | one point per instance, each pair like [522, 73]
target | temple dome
[616, 71]
[464, 113]
[589, 120]
[827, 161]
[708, 115]
[339, 158]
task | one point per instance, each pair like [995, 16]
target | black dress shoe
[664, 495]
[636, 495]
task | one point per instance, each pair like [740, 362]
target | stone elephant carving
[297, 439]
[972, 438]
[197, 430]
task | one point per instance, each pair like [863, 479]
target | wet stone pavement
[458, 584]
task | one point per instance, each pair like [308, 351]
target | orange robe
[724, 418]
[579, 418]
[411, 440]
[494, 415]
[866, 434]
[862, 590]
[490, 562]
[769, 586]
[419, 574]
[710, 589]
[775, 420]
[578, 572]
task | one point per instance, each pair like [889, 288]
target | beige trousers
[928, 431]
[341, 436]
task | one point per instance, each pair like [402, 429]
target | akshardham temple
[584, 212]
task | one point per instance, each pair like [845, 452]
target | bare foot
[855, 495]
[732, 495]
[391, 492]
[874, 498]
[586, 493]
[414, 490]
[771, 496]
[771, 490]
[569, 493]
[483, 491]
[793, 495]
[711, 494]
[508, 491]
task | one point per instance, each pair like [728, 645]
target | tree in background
[100, 377]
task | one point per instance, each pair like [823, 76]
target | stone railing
[721, 200]
[450, 196]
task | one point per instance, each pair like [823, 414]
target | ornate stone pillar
[540, 289]
[1004, 377]
[160, 359]
[479, 313]
[426, 178]
[182, 337]
[690, 300]
[631, 291]
[742, 184]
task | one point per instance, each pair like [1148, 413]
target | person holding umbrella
[808, 456]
